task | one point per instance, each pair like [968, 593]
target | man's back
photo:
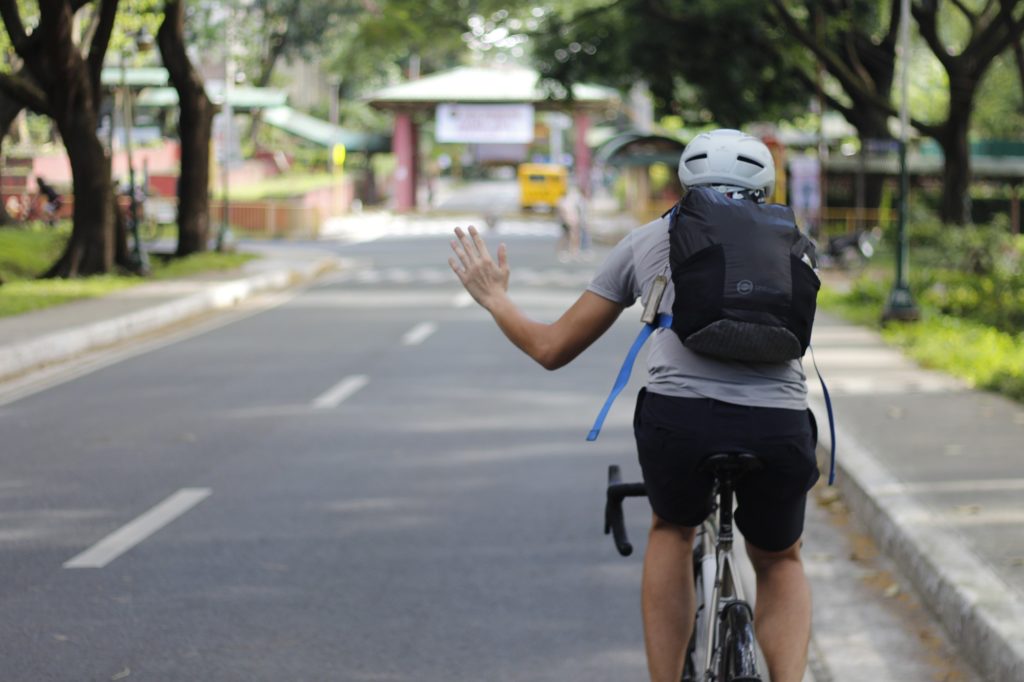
[627, 275]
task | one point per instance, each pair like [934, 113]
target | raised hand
[484, 279]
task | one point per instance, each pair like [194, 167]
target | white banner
[484, 123]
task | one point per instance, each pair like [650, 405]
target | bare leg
[668, 598]
[782, 615]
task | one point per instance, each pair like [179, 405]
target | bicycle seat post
[727, 468]
[725, 492]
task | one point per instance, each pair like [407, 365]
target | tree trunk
[871, 124]
[873, 128]
[65, 82]
[195, 125]
[9, 110]
[92, 247]
[956, 174]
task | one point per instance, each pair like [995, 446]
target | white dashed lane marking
[419, 334]
[340, 391]
[134, 532]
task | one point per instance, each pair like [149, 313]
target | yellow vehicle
[541, 184]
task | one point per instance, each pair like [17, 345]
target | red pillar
[403, 145]
[581, 152]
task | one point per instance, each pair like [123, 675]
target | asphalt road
[364, 482]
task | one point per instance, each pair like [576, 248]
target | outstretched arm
[551, 345]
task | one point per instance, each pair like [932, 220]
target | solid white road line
[340, 391]
[463, 300]
[134, 532]
[419, 334]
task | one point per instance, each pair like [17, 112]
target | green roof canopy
[323, 133]
[488, 85]
[638, 149]
[242, 99]
[136, 77]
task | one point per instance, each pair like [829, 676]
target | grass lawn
[26, 252]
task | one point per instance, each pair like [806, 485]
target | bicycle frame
[721, 587]
[723, 640]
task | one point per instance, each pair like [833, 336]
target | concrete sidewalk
[52, 335]
[933, 469]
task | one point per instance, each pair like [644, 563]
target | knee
[764, 560]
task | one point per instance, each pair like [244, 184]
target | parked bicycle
[723, 647]
[43, 206]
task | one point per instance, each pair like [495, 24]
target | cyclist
[693, 405]
[52, 202]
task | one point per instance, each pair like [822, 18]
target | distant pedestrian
[572, 215]
[52, 204]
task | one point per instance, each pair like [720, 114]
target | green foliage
[133, 17]
[986, 357]
[262, 32]
[999, 113]
[969, 285]
[974, 272]
[712, 59]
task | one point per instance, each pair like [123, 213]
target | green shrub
[975, 272]
[969, 285]
[986, 357]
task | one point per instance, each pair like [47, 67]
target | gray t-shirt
[674, 369]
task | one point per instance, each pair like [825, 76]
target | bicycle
[723, 647]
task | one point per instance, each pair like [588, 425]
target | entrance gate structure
[498, 88]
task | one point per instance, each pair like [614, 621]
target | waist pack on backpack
[745, 287]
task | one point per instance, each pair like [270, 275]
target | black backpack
[745, 287]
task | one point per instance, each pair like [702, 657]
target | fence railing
[834, 221]
[268, 218]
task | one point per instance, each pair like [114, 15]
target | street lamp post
[228, 113]
[140, 259]
[223, 234]
[900, 305]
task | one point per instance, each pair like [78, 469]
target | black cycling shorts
[674, 435]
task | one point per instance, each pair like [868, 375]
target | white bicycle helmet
[727, 159]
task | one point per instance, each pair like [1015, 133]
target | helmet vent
[747, 159]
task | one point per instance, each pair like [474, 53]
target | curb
[978, 609]
[48, 349]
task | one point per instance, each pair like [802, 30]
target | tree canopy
[738, 63]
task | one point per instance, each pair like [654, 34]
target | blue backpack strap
[831, 420]
[664, 321]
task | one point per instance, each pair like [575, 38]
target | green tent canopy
[241, 99]
[324, 133]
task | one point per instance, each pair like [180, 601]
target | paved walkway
[932, 467]
[52, 335]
